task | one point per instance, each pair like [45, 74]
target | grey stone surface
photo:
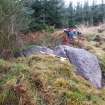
[86, 64]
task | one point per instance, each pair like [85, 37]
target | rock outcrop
[33, 50]
[86, 64]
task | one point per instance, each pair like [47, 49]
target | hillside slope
[45, 80]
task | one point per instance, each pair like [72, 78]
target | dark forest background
[54, 12]
[37, 15]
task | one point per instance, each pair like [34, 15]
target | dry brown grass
[45, 80]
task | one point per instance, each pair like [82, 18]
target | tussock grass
[45, 80]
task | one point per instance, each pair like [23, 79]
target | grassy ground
[45, 80]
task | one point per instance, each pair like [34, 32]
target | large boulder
[86, 63]
[34, 50]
